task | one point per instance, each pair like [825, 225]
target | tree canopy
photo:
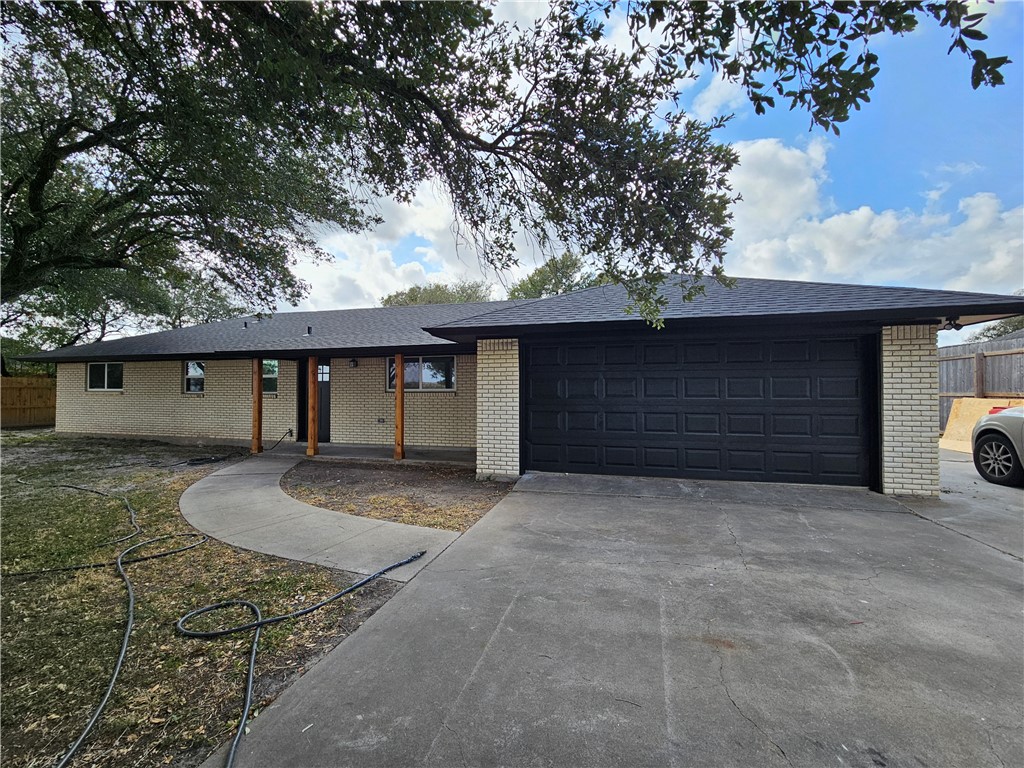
[1000, 328]
[559, 274]
[216, 138]
[459, 292]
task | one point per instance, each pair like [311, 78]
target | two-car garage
[784, 409]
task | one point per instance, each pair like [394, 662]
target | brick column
[497, 409]
[910, 410]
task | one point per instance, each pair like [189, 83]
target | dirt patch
[449, 498]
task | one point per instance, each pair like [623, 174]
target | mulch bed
[430, 495]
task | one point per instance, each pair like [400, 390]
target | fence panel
[27, 401]
[983, 369]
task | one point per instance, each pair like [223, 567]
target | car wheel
[996, 460]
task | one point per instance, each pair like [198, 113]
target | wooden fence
[27, 401]
[983, 369]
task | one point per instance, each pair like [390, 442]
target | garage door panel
[702, 424]
[839, 388]
[840, 465]
[746, 461]
[744, 388]
[790, 351]
[620, 354]
[694, 354]
[701, 387]
[621, 387]
[621, 457]
[791, 410]
[621, 422]
[791, 387]
[792, 424]
[744, 352]
[661, 423]
[745, 424]
[661, 354]
[836, 350]
[656, 387]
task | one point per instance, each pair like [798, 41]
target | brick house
[771, 380]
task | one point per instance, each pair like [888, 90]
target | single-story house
[771, 380]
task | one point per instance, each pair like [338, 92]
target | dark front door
[324, 383]
[324, 394]
[783, 409]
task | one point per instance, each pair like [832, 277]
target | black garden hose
[257, 626]
[129, 623]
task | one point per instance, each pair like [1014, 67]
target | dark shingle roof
[348, 330]
[374, 330]
[750, 298]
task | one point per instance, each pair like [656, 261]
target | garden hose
[257, 626]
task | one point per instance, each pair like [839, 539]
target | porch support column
[313, 397]
[257, 406]
[399, 406]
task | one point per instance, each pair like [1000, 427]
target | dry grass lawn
[177, 699]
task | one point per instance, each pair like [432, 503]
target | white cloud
[786, 228]
[364, 267]
[720, 97]
[520, 12]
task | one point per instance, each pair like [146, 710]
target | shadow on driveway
[614, 622]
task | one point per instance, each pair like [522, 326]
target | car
[998, 444]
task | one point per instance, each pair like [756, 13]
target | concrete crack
[627, 701]
[992, 748]
[458, 739]
[915, 513]
[736, 542]
[762, 731]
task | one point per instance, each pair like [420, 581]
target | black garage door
[783, 410]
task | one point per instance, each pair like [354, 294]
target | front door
[323, 375]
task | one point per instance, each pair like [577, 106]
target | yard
[434, 496]
[176, 698]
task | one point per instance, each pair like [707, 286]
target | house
[770, 380]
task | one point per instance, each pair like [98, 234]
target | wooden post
[979, 374]
[257, 406]
[313, 397]
[399, 407]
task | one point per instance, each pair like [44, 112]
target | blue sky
[923, 115]
[924, 187]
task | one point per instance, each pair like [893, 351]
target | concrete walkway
[243, 504]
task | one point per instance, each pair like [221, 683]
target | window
[425, 374]
[106, 376]
[270, 369]
[195, 377]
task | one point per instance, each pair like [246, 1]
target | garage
[780, 409]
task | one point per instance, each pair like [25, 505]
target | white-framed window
[435, 373]
[271, 369]
[105, 376]
[195, 377]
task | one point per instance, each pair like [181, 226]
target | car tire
[996, 461]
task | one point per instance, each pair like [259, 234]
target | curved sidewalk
[243, 505]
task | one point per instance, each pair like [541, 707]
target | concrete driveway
[616, 622]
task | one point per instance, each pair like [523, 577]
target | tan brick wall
[153, 403]
[497, 413]
[363, 410]
[910, 410]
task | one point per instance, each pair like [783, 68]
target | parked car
[998, 443]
